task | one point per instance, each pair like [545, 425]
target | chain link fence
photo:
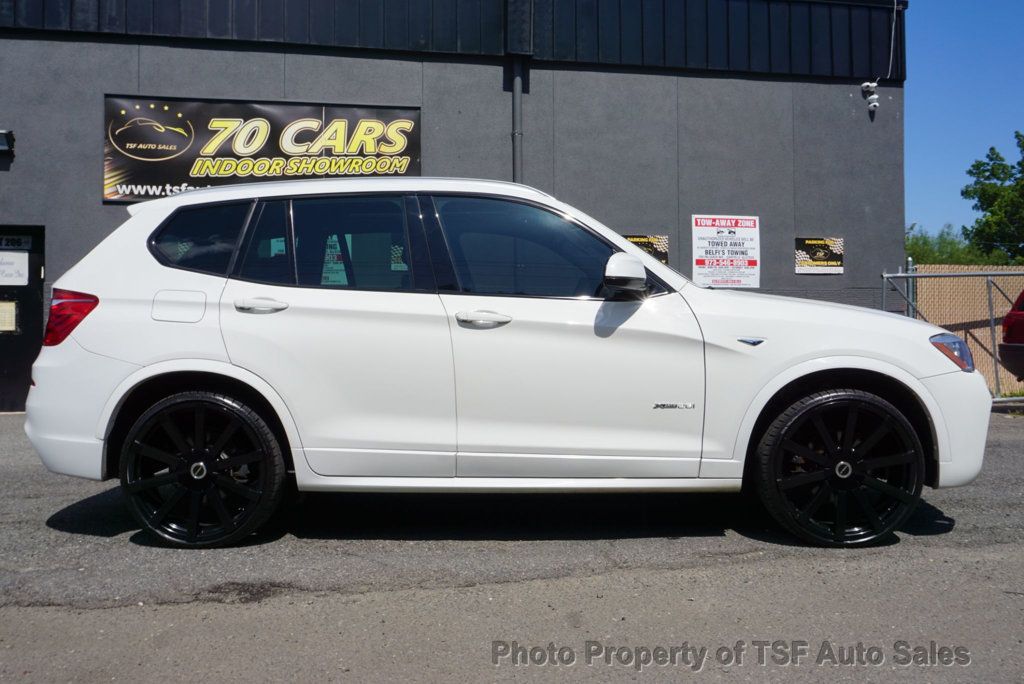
[970, 301]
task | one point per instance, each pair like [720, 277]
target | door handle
[259, 305]
[482, 319]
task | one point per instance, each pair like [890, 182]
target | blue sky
[964, 94]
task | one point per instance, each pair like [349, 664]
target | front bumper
[1012, 358]
[70, 388]
[966, 406]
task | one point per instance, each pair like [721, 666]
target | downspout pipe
[517, 117]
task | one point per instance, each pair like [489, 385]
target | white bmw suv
[420, 334]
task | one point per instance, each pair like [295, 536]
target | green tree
[949, 247]
[998, 193]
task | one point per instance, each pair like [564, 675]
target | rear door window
[201, 238]
[359, 243]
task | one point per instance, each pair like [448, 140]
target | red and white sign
[726, 250]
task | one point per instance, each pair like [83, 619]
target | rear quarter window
[201, 238]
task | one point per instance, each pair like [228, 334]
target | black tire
[840, 468]
[201, 469]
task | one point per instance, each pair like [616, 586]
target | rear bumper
[966, 406]
[71, 387]
[1012, 358]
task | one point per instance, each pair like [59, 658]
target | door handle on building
[259, 305]
[482, 319]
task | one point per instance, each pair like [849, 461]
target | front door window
[507, 248]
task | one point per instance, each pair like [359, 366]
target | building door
[21, 311]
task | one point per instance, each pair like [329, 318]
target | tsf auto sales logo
[150, 132]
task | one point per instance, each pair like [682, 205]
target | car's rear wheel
[201, 469]
[840, 468]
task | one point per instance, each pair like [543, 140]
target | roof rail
[489, 180]
[170, 199]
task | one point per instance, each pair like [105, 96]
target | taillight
[67, 310]
[1013, 327]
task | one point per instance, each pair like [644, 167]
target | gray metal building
[640, 112]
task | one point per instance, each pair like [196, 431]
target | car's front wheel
[201, 469]
[840, 468]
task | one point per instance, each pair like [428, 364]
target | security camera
[873, 105]
[873, 100]
[869, 86]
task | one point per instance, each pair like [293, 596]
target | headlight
[956, 350]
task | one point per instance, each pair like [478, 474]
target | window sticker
[397, 258]
[334, 272]
[277, 247]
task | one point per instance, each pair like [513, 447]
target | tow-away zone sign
[726, 250]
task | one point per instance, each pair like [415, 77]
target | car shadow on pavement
[513, 517]
[926, 521]
[493, 517]
[106, 515]
[99, 515]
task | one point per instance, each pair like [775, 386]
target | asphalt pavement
[495, 587]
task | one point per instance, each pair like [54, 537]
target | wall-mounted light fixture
[869, 90]
[6, 143]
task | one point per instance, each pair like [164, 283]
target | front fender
[732, 466]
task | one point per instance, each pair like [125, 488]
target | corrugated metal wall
[457, 26]
[824, 39]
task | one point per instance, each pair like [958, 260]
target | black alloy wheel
[841, 468]
[201, 469]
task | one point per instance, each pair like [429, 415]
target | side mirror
[625, 274]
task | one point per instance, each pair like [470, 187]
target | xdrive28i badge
[150, 131]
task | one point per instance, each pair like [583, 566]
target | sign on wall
[655, 245]
[8, 316]
[819, 255]
[15, 242]
[13, 269]
[726, 250]
[155, 147]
